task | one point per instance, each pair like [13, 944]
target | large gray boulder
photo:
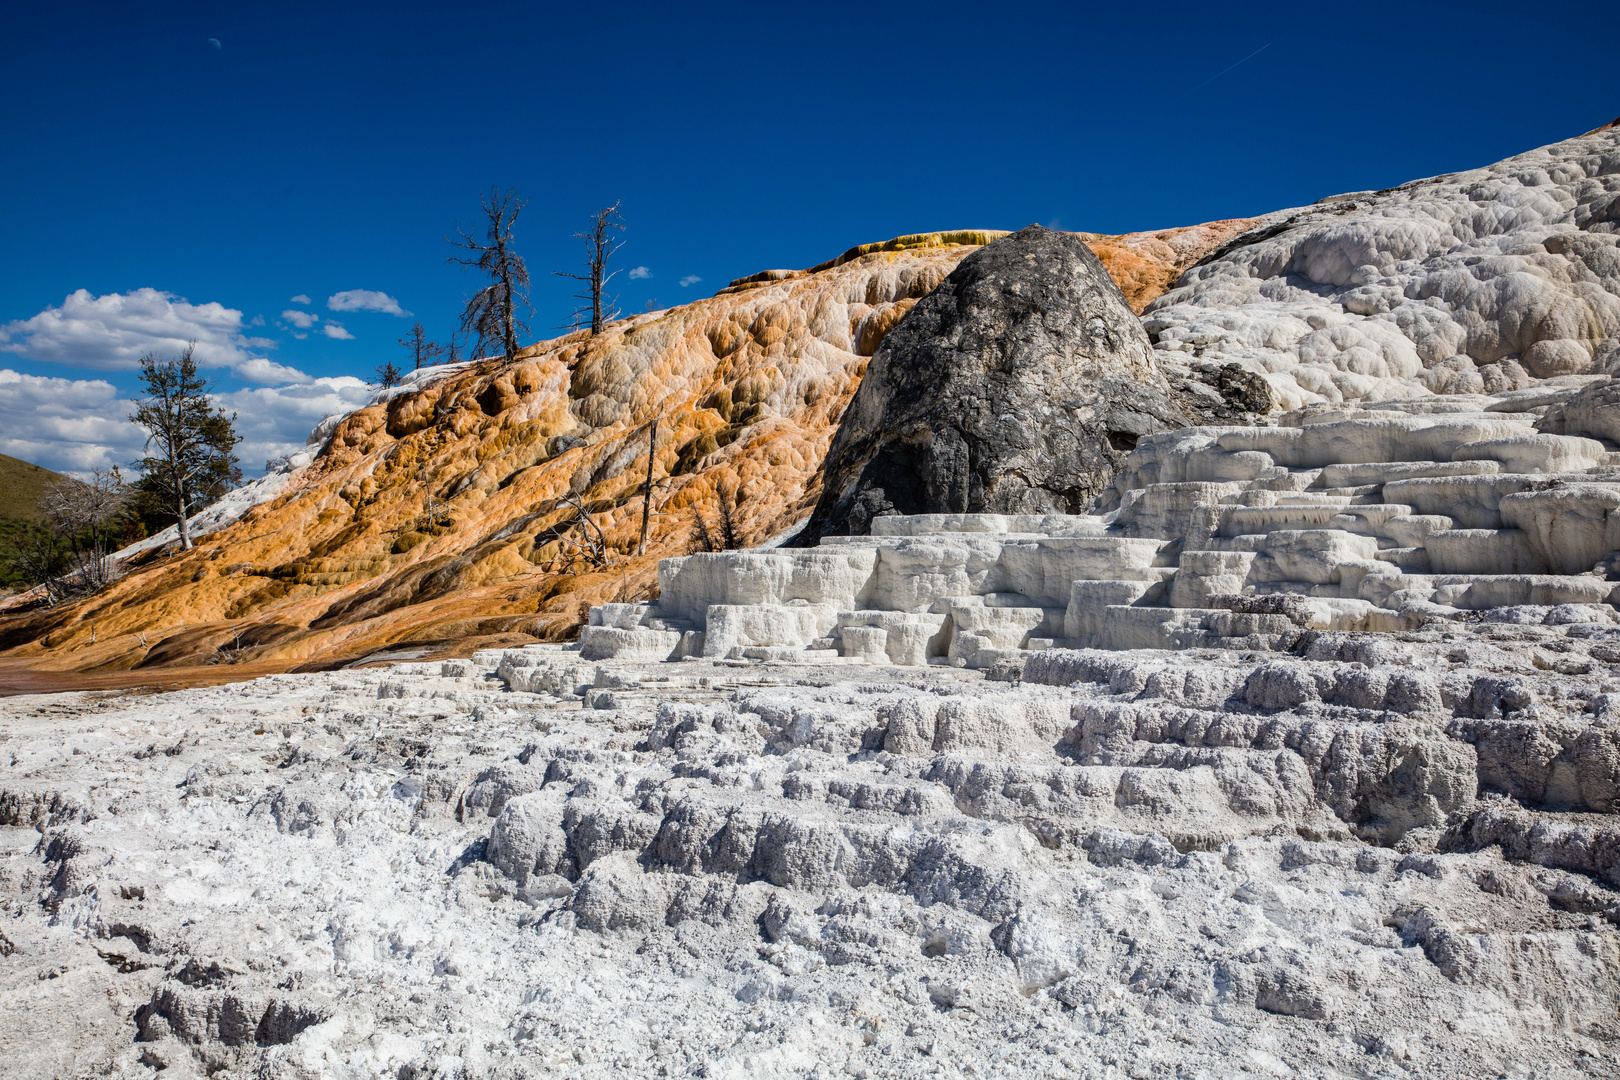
[1017, 386]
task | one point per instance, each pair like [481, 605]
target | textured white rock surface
[1388, 855]
[1344, 518]
[1474, 282]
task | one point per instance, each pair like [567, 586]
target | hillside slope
[437, 517]
[21, 485]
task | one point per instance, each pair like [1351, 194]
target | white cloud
[301, 319]
[690, 279]
[301, 299]
[75, 425]
[276, 420]
[365, 300]
[641, 272]
[268, 372]
[69, 425]
[110, 333]
[335, 330]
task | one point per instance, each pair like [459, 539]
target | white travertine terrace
[1342, 520]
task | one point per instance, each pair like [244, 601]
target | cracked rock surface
[1375, 855]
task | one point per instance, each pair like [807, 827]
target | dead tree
[424, 353]
[37, 554]
[491, 316]
[646, 488]
[585, 542]
[599, 248]
[75, 558]
[437, 516]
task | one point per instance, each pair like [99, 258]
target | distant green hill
[21, 485]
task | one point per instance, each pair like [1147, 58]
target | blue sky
[236, 157]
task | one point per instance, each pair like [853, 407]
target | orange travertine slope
[436, 521]
[1146, 264]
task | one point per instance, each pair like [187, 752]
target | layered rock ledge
[1456, 510]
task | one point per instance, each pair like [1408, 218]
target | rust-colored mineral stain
[18, 678]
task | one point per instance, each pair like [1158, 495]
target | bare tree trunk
[509, 333]
[646, 489]
[185, 526]
[182, 524]
[596, 296]
[599, 248]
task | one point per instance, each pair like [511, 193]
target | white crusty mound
[1474, 282]
[1388, 856]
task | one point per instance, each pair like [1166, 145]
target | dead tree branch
[585, 542]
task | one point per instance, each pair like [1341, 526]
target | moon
[214, 41]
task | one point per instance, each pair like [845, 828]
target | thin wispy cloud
[1224, 70]
[365, 300]
[690, 279]
[335, 330]
[640, 272]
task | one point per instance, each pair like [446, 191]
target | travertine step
[1248, 520]
[1413, 510]
[1482, 551]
